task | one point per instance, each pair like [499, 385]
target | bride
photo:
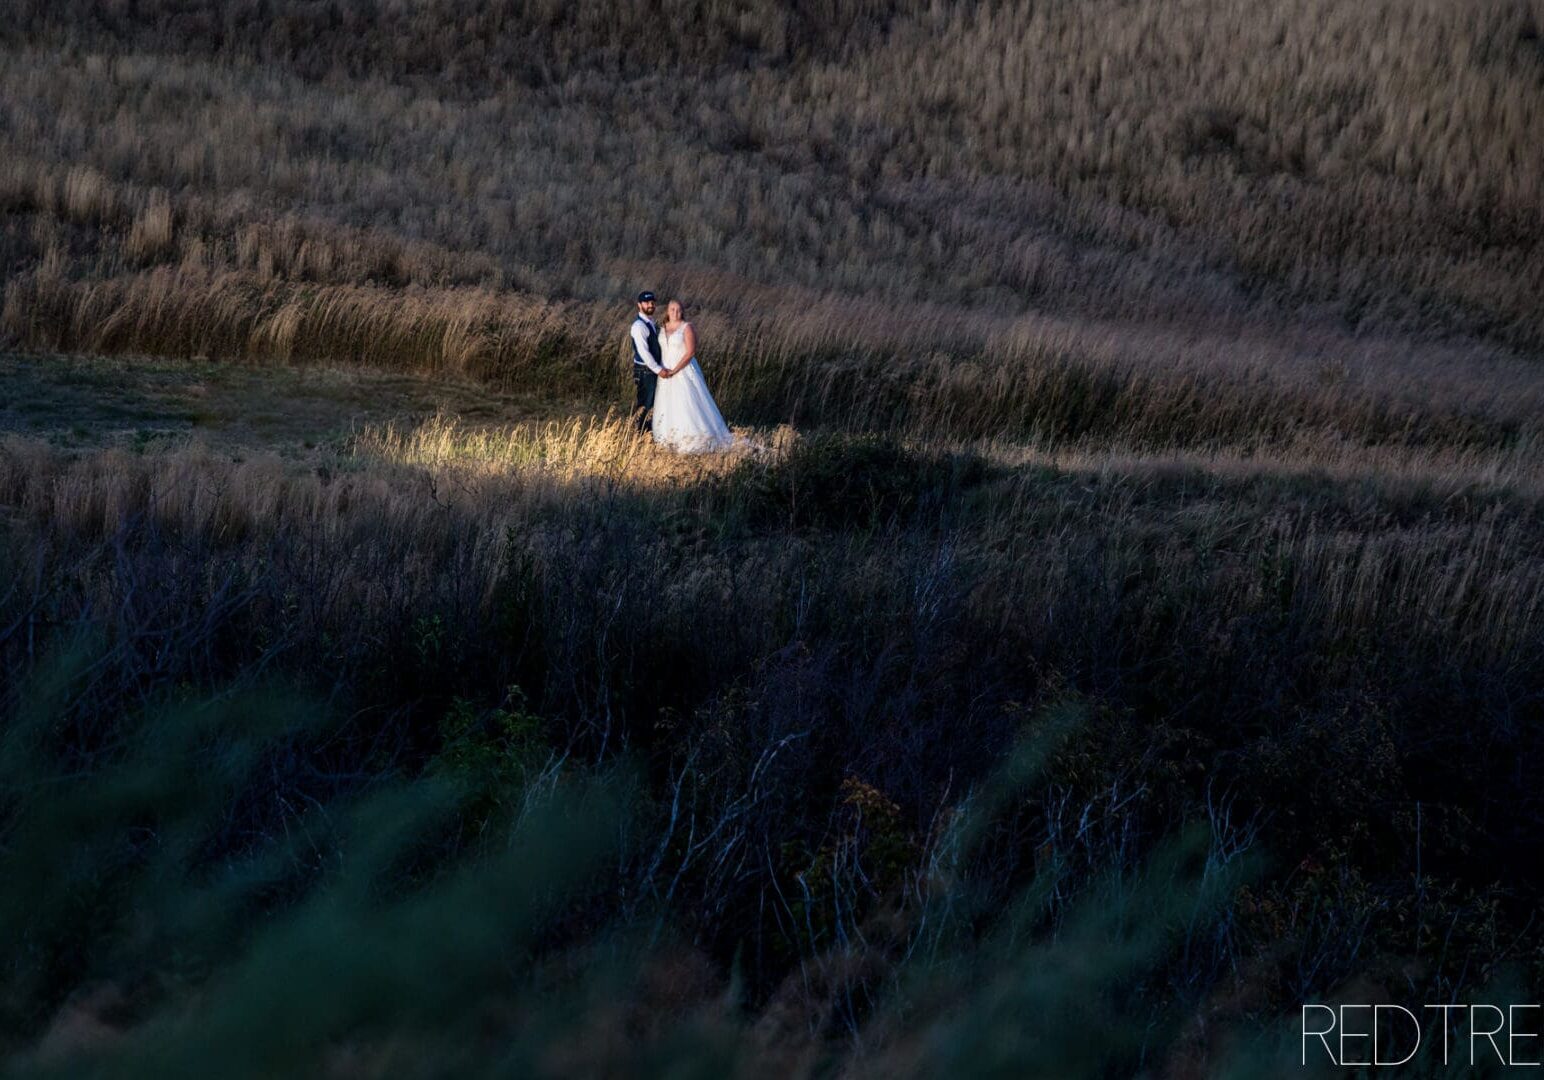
[686, 418]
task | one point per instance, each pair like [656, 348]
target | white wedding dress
[686, 418]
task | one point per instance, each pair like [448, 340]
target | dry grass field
[1128, 617]
[1373, 166]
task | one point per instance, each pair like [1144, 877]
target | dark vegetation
[769, 701]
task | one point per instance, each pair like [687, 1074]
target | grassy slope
[1372, 161]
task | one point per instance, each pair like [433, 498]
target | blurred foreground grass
[203, 897]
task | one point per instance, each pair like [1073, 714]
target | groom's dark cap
[645, 296]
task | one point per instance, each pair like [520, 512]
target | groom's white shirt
[641, 342]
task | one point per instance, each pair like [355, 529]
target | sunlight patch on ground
[579, 447]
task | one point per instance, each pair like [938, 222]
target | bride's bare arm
[690, 336]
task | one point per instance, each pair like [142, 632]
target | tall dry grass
[1448, 549]
[826, 176]
[839, 364]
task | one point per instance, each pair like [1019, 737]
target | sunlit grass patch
[606, 446]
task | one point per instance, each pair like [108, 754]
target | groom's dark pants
[645, 381]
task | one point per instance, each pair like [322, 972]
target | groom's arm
[641, 343]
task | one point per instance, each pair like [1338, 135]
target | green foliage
[107, 860]
[492, 753]
[428, 638]
[161, 870]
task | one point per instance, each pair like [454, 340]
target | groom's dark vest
[653, 342]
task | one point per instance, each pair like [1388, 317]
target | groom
[647, 369]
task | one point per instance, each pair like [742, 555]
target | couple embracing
[668, 380]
